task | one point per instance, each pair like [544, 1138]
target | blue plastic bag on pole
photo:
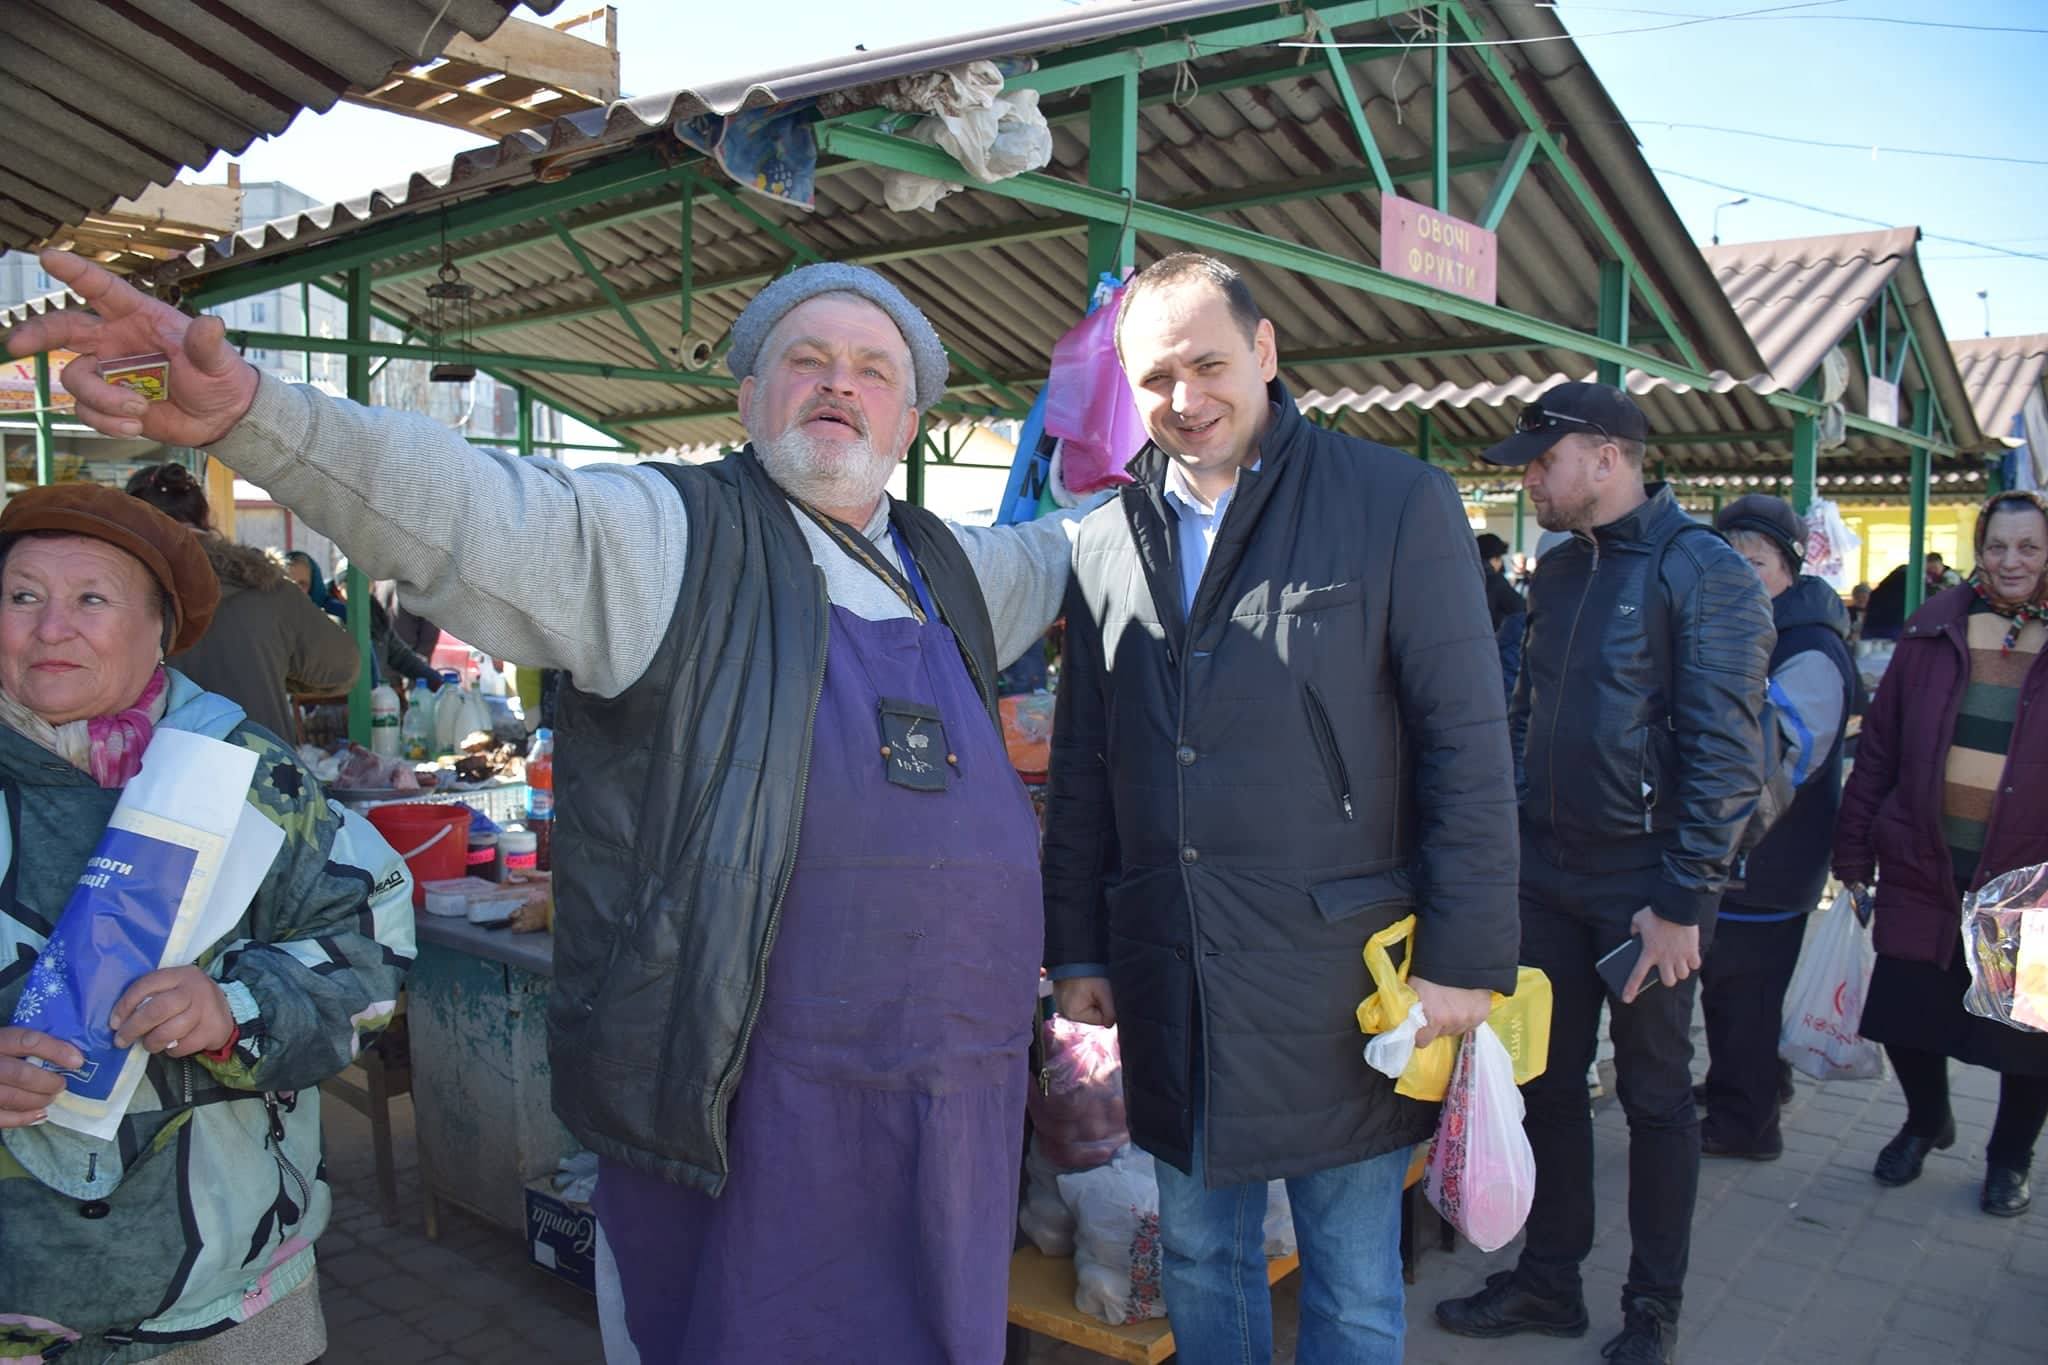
[178, 863]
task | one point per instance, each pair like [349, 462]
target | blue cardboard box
[561, 1237]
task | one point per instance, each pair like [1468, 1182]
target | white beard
[826, 473]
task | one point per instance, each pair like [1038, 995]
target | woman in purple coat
[1949, 784]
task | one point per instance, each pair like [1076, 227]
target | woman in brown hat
[188, 1236]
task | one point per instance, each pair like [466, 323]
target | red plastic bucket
[432, 837]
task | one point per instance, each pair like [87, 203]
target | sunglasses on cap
[1535, 418]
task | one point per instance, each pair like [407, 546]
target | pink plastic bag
[1077, 1101]
[1482, 1174]
[1088, 401]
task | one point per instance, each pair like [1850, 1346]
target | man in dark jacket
[1637, 726]
[1505, 606]
[1812, 688]
[796, 879]
[1278, 732]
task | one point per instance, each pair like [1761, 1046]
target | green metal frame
[358, 379]
[1112, 166]
[609, 292]
[1101, 83]
[45, 437]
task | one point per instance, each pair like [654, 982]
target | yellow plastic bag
[1522, 1020]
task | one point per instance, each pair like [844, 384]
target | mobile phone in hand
[1862, 900]
[1620, 963]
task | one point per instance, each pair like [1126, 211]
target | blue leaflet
[113, 930]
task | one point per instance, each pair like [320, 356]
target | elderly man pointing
[797, 879]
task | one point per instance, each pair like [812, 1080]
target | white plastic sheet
[181, 858]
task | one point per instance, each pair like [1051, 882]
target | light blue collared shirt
[1198, 522]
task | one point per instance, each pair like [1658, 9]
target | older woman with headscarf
[1950, 783]
[187, 1237]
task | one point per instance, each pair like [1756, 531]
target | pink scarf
[116, 742]
[110, 746]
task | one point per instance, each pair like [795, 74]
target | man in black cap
[1636, 725]
[1813, 685]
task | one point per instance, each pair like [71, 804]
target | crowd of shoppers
[1277, 732]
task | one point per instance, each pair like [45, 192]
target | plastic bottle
[384, 721]
[416, 733]
[518, 853]
[540, 795]
[489, 681]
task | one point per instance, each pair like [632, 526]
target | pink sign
[1418, 243]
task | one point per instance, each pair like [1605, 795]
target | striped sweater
[1983, 734]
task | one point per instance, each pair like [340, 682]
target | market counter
[477, 1010]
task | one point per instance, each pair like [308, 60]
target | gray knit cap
[771, 305]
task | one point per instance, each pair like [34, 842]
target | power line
[1763, 17]
[1687, 22]
[1849, 217]
[1838, 146]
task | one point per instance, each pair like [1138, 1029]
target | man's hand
[176, 1011]
[211, 386]
[1085, 1000]
[25, 1088]
[1450, 1010]
[1673, 949]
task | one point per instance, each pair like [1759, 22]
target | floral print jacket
[204, 1207]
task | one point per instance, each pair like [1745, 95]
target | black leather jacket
[1636, 720]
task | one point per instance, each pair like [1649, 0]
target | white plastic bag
[1116, 1239]
[1279, 1227]
[1830, 545]
[1043, 1216]
[1388, 1053]
[1482, 1173]
[1824, 1006]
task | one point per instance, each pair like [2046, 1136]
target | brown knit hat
[171, 553]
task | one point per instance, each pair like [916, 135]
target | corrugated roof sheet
[2001, 373]
[102, 98]
[1801, 296]
[1002, 279]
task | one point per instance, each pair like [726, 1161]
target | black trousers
[1742, 989]
[1568, 923]
[2022, 1105]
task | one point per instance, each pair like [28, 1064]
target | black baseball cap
[1600, 409]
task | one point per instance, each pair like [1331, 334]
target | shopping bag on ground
[1116, 1239]
[1482, 1174]
[1824, 1007]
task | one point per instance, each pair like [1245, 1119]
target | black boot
[1504, 1308]
[2006, 1192]
[1900, 1161]
[1649, 1335]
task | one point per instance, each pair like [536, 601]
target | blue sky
[1828, 71]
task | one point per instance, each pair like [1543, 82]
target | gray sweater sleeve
[1023, 573]
[525, 558]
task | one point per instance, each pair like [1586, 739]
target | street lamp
[1984, 297]
[1730, 204]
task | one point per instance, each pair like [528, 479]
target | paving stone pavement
[1805, 1261]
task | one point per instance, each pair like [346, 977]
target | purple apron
[875, 1133]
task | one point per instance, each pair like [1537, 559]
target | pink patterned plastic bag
[1482, 1174]
[1077, 1102]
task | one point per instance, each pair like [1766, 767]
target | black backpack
[1776, 796]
